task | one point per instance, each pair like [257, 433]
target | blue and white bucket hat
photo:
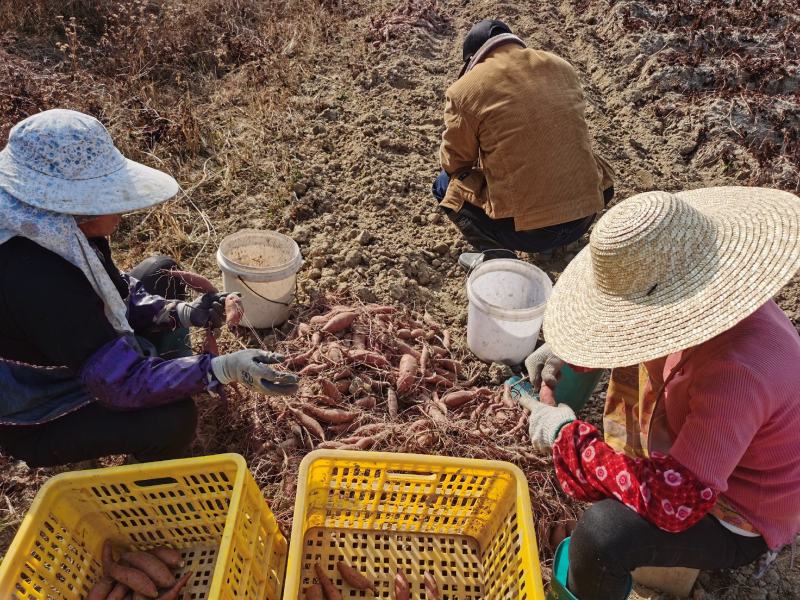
[66, 162]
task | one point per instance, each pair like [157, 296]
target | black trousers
[485, 233]
[94, 431]
[611, 540]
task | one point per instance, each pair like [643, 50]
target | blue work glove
[250, 368]
[207, 311]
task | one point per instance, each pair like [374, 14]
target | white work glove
[249, 367]
[545, 421]
[543, 367]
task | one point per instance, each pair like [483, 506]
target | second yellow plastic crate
[210, 508]
[468, 522]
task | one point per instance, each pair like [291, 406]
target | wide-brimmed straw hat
[665, 272]
[65, 161]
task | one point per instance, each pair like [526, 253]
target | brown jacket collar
[490, 46]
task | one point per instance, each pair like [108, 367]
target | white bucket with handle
[507, 298]
[262, 266]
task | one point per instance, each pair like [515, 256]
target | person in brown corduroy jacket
[518, 170]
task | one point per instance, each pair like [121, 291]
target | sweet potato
[107, 557]
[311, 370]
[368, 358]
[343, 385]
[353, 577]
[313, 592]
[101, 589]
[331, 592]
[407, 373]
[119, 592]
[169, 556]
[309, 423]
[424, 359]
[431, 587]
[446, 339]
[402, 589]
[339, 322]
[316, 339]
[370, 429]
[448, 363]
[333, 416]
[404, 348]
[344, 373]
[303, 329]
[364, 443]
[377, 309]
[175, 590]
[330, 390]
[196, 282]
[417, 333]
[437, 380]
[391, 403]
[459, 398]
[150, 565]
[330, 445]
[404, 334]
[136, 580]
[367, 402]
[234, 311]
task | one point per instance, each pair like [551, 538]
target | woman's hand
[544, 370]
[545, 421]
[251, 369]
[207, 311]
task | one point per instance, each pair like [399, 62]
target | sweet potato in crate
[209, 508]
[464, 524]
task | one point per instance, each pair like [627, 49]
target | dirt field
[322, 120]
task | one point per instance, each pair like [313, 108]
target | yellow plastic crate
[468, 522]
[210, 508]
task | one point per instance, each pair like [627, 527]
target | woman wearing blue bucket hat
[92, 360]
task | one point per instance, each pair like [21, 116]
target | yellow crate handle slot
[156, 481]
[411, 476]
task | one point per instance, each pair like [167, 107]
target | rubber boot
[558, 583]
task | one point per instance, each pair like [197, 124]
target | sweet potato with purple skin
[119, 592]
[314, 592]
[407, 373]
[339, 322]
[402, 589]
[331, 591]
[175, 590]
[135, 579]
[152, 566]
[169, 556]
[353, 577]
[101, 589]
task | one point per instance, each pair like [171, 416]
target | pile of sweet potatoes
[137, 574]
[367, 368]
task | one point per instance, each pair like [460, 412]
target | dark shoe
[470, 260]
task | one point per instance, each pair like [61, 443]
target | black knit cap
[480, 34]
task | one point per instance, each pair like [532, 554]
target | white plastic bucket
[262, 266]
[506, 308]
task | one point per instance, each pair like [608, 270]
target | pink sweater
[733, 411]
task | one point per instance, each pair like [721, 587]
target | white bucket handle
[483, 254]
[252, 291]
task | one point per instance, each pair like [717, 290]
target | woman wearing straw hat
[699, 462]
[79, 376]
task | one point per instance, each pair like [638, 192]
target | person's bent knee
[595, 568]
[598, 533]
[172, 430]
